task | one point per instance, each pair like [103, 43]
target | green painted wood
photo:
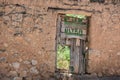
[63, 35]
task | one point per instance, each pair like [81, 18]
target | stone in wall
[1, 10]
[34, 62]
[2, 59]
[34, 70]
[17, 17]
[13, 74]
[16, 65]
[23, 74]
[17, 78]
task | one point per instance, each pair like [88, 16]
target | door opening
[63, 57]
[72, 43]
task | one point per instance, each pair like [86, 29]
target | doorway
[71, 43]
[63, 57]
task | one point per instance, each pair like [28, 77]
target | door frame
[58, 30]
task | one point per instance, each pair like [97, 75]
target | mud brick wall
[27, 42]
[28, 31]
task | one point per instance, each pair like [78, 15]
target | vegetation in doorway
[63, 57]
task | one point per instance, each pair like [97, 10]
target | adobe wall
[28, 31]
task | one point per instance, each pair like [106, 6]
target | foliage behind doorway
[63, 57]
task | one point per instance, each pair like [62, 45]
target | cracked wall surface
[28, 31]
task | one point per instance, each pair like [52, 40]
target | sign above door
[74, 26]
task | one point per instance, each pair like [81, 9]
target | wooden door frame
[58, 29]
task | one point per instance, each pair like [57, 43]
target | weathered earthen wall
[27, 41]
[28, 31]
